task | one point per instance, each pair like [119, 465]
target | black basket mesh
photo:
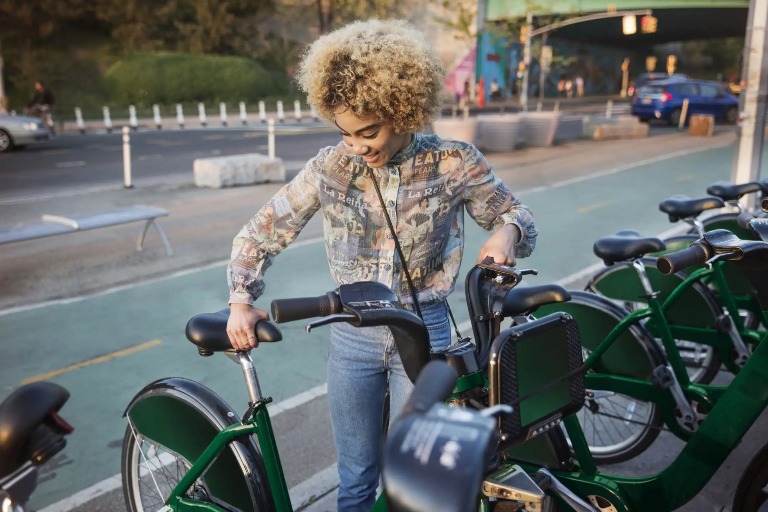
[562, 331]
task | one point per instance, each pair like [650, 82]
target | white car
[18, 131]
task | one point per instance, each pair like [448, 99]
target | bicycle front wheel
[618, 427]
[752, 492]
[170, 423]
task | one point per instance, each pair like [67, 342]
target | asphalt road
[72, 161]
[88, 311]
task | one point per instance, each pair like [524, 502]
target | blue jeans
[361, 362]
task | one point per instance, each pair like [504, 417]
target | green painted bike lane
[114, 343]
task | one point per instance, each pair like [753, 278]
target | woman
[379, 83]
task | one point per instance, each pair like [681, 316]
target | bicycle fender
[184, 416]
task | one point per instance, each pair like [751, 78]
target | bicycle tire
[171, 422]
[752, 489]
[621, 282]
[617, 427]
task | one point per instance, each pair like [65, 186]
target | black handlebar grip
[696, 254]
[287, 310]
[434, 384]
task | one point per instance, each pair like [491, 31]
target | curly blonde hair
[380, 69]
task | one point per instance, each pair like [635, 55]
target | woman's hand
[501, 246]
[241, 326]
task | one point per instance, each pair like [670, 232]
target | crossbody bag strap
[400, 254]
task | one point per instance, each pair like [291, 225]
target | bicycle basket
[537, 368]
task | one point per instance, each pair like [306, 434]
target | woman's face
[375, 141]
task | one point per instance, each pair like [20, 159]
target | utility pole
[754, 80]
[526, 61]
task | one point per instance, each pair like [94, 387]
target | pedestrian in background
[380, 84]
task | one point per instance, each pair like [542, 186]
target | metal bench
[51, 225]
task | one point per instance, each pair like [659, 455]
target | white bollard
[683, 115]
[79, 120]
[315, 117]
[280, 112]
[132, 121]
[557, 105]
[223, 113]
[243, 114]
[262, 112]
[180, 115]
[201, 111]
[107, 119]
[156, 114]
[271, 138]
[297, 110]
[608, 109]
[126, 158]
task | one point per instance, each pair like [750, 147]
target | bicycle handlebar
[288, 310]
[696, 254]
[434, 385]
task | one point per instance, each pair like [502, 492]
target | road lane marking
[91, 362]
[76, 163]
[592, 207]
[685, 177]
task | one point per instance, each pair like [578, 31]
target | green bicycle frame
[730, 418]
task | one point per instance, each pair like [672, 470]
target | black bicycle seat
[626, 246]
[731, 192]
[683, 207]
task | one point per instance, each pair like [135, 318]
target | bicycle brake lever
[338, 317]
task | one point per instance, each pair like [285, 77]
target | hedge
[167, 78]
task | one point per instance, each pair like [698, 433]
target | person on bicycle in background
[380, 84]
[41, 103]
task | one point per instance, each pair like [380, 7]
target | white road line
[76, 163]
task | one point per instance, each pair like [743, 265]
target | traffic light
[648, 24]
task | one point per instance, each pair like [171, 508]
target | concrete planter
[502, 132]
[458, 128]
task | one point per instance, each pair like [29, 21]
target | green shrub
[168, 78]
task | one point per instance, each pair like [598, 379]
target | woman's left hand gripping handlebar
[500, 246]
[241, 326]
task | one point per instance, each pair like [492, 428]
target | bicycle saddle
[525, 299]
[209, 332]
[683, 207]
[21, 413]
[731, 192]
[625, 246]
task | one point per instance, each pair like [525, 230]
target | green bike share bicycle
[535, 368]
[714, 315]
[186, 449]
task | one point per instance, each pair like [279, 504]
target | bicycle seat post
[696, 224]
[643, 275]
[251, 379]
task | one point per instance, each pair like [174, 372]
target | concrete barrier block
[622, 130]
[235, 170]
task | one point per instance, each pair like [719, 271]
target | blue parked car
[663, 99]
